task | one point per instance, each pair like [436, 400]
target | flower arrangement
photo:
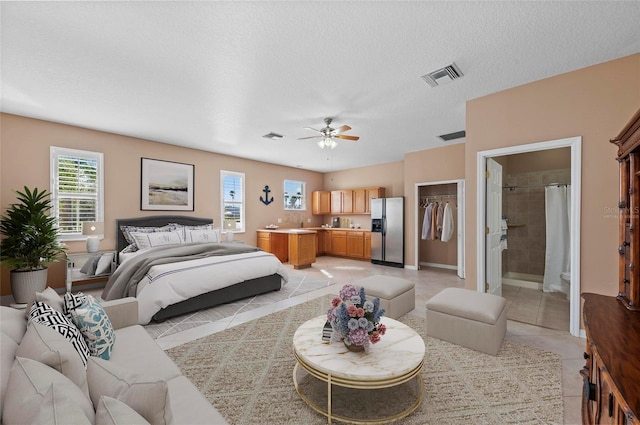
[354, 319]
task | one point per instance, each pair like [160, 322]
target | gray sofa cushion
[114, 412]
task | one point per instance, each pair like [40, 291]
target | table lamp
[93, 230]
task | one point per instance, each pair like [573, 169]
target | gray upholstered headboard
[154, 221]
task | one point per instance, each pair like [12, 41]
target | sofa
[43, 382]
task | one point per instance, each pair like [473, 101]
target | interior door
[493, 219]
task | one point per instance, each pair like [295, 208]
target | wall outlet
[279, 220]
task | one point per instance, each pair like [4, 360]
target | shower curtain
[557, 211]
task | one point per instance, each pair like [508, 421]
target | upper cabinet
[321, 202]
[346, 201]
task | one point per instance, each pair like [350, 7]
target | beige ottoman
[468, 318]
[397, 296]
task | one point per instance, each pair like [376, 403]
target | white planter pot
[24, 285]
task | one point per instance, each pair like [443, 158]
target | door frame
[460, 197]
[575, 143]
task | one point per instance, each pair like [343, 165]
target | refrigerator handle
[384, 226]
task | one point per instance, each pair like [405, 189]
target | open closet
[438, 223]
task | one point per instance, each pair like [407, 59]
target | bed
[171, 280]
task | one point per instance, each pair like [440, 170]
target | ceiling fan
[328, 134]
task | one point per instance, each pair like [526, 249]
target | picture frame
[166, 185]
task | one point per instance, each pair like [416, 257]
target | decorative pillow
[47, 346]
[95, 326]
[104, 264]
[185, 227]
[29, 381]
[50, 297]
[72, 301]
[57, 408]
[114, 412]
[202, 236]
[165, 238]
[90, 265]
[47, 316]
[149, 398]
[127, 230]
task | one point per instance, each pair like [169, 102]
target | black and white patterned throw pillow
[46, 315]
[72, 301]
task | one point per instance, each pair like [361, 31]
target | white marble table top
[398, 352]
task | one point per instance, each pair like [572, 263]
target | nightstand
[89, 267]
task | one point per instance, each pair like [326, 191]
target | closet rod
[514, 187]
[439, 196]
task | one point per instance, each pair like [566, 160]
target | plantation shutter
[76, 189]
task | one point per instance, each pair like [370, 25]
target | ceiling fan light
[333, 144]
[321, 144]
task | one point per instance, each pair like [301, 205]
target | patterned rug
[246, 373]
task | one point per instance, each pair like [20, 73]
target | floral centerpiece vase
[355, 320]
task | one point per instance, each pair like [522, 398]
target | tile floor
[428, 282]
[546, 309]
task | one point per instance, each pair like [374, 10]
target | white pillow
[45, 345]
[114, 412]
[149, 398]
[58, 408]
[29, 383]
[104, 264]
[164, 238]
[203, 236]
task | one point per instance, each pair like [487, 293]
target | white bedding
[168, 284]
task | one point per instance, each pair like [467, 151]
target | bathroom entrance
[539, 227]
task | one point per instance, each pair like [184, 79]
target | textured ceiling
[217, 76]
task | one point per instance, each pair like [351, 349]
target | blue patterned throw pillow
[95, 326]
[46, 315]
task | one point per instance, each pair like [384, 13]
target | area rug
[297, 285]
[246, 373]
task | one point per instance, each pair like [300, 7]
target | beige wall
[24, 157]
[428, 166]
[594, 103]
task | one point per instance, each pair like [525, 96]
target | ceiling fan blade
[309, 128]
[342, 136]
[310, 137]
[341, 129]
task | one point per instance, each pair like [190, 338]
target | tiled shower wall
[525, 212]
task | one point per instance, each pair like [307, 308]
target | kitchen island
[294, 246]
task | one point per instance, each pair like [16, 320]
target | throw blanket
[124, 281]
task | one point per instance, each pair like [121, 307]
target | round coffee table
[394, 362]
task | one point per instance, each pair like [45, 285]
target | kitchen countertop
[339, 228]
[290, 231]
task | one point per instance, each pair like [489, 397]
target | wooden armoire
[611, 392]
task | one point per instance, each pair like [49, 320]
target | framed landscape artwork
[166, 185]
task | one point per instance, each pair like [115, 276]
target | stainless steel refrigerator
[387, 231]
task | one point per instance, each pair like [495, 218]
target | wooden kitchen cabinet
[321, 202]
[341, 201]
[302, 249]
[338, 242]
[355, 244]
[367, 245]
[275, 243]
[362, 199]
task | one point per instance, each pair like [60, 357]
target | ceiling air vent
[273, 136]
[453, 136]
[443, 75]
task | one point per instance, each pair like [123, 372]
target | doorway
[433, 251]
[531, 262]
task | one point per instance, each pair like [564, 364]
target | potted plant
[30, 241]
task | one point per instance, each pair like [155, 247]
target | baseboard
[439, 266]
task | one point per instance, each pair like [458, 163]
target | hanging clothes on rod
[447, 224]
[426, 223]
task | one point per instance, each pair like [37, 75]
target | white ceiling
[217, 76]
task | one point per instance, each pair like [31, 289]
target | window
[232, 201]
[77, 189]
[294, 195]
